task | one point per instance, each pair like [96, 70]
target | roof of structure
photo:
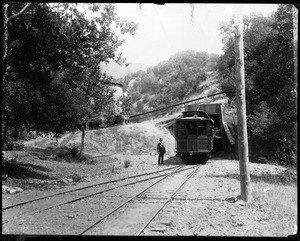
[114, 83]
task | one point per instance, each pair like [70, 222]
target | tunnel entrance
[218, 143]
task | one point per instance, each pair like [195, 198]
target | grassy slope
[130, 139]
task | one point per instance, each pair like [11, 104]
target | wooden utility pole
[241, 105]
[295, 35]
[295, 43]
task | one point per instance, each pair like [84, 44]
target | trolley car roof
[195, 115]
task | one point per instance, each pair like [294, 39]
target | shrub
[113, 169]
[70, 149]
[14, 146]
[75, 177]
[30, 135]
[126, 163]
[72, 154]
[87, 159]
[139, 106]
[73, 150]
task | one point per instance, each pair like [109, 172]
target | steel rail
[80, 198]
[165, 203]
[85, 187]
[130, 199]
[199, 199]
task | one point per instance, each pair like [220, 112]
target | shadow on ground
[221, 155]
[42, 151]
[25, 170]
[173, 161]
[177, 161]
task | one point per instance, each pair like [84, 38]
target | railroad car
[194, 132]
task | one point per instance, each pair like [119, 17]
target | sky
[167, 29]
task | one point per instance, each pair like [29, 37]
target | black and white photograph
[149, 119]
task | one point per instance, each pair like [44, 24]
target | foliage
[261, 120]
[125, 105]
[75, 177]
[270, 84]
[126, 163]
[73, 151]
[139, 106]
[27, 83]
[109, 114]
[170, 81]
[51, 69]
[14, 145]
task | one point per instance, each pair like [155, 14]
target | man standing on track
[161, 150]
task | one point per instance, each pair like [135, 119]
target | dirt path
[205, 207]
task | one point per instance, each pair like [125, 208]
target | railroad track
[138, 206]
[50, 201]
[152, 196]
[85, 187]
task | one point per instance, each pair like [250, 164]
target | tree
[6, 22]
[32, 53]
[277, 85]
[92, 98]
[270, 83]
[93, 47]
[139, 106]
[171, 81]
[54, 52]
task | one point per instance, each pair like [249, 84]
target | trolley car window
[202, 129]
[181, 132]
[181, 129]
[181, 125]
[192, 128]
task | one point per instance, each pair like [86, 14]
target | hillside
[117, 71]
[184, 75]
[208, 87]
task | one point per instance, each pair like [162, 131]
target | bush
[70, 150]
[75, 177]
[261, 120]
[87, 159]
[31, 135]
[113, 169]
[74, 151]
[71, 153]
[228, 87]
[14, 146]
[126, 163]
